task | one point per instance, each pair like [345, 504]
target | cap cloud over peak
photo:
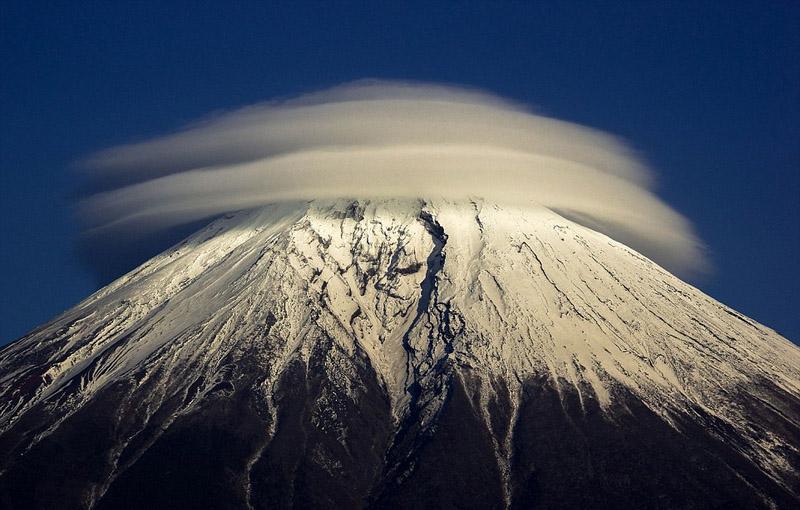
[380, 139]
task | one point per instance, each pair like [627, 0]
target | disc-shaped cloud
[387, 139]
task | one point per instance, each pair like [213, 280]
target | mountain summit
[399, 354]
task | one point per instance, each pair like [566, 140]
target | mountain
[400, 354]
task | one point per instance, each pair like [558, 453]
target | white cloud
[388, 139]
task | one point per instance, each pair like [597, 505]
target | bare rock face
[399, 354]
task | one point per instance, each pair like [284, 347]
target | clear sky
[707, 92]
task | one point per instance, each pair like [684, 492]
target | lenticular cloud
[386, 139]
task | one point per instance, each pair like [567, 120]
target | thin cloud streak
[387, 139]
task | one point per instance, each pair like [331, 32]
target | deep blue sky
[709, 93]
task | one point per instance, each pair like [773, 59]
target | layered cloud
[386, 139]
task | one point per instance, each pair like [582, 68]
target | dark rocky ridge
[219, 456]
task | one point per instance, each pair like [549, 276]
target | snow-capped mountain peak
[358, 331]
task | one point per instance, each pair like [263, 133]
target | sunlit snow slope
[399, 354]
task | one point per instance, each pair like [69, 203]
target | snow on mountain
[396, 353]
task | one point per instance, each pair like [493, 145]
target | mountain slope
[399, 354]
